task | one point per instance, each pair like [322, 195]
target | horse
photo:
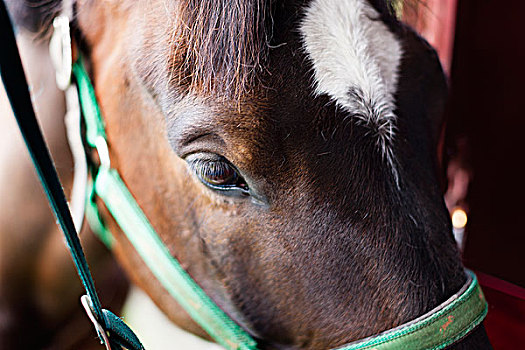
[285, 152]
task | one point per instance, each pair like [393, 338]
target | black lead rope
[17, 90]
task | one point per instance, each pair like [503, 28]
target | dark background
[486, 114]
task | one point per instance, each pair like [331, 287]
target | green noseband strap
[439, 328]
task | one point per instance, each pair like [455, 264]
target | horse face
[300, 190]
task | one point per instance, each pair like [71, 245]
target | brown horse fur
[328, 247]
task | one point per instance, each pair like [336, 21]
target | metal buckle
[86, 303]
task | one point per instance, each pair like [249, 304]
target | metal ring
[60, 51]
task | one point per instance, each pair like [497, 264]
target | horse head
[285, 152]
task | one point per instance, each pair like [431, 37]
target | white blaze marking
[352, 50]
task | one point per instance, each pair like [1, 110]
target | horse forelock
[219, 45]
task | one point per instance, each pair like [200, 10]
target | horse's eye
[219, 174]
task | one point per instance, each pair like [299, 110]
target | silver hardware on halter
[61, 56]
[60, 51]
[86, 303]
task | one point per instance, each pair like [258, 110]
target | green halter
[437, 329]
